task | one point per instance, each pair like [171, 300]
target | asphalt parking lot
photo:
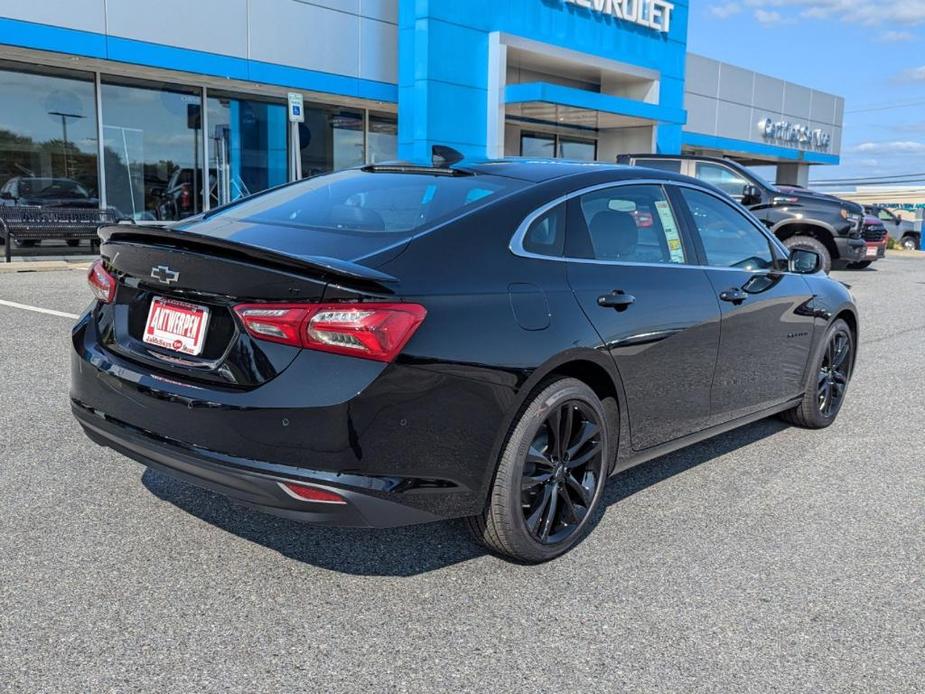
[768, 559]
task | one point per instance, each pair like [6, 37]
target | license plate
[871, 251]
[177, 325]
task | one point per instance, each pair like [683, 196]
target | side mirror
[6, 195]
[750, 195]
[804, 262]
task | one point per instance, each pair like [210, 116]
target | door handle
[617, 299]
[734, 296]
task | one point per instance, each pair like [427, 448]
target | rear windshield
[371, 203]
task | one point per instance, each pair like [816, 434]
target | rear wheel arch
[587, 365]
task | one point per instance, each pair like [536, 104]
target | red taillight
[303, 492]
[367, 330]
[102, 284]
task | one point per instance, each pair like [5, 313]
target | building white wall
[356, 38]
[729, 101]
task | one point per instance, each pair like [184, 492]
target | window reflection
[331, 140]
[247, 147]
[152, 151]
[383, 138]
[48, 139]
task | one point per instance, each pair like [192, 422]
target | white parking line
[26, 307]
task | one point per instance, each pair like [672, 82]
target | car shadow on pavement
[417, 549]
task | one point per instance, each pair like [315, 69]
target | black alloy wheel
[834, 373]
[564, 464]
[551, 474]
[828, 379]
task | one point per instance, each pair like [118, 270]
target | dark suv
[800, 218]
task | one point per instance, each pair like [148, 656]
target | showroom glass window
[729, 238]
[248, 143]
[537, 145]
[331, 139]
[577, 150]
[48, 138]
[383, 138]
[152, 135]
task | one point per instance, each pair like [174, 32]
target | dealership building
[163, 109]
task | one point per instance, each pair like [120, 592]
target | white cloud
[895, 36]
[726, 9]
[915, 74]
[768, 17]
[867, 12]
[896, 147]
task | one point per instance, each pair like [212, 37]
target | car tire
[860, 266]
[73, 243]
[534, 469]
[811, 244]
[28, 243]
[826, 386]
[909, 243]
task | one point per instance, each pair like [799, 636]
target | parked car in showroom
[907, 234]
[800, 218]
[47, 192]
[401, 344]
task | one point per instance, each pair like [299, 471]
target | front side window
[731, 183]
[632, 224]
[729, 238]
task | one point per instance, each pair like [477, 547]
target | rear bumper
[875, 251]
[850, 250]
[403, 444]
[371, 501]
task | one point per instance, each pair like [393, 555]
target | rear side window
[362, 202]
[632, 224]
[729, 237]
[546, 235]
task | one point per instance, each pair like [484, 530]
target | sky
[872, 52]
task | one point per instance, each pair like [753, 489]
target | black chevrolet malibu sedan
[400, 344]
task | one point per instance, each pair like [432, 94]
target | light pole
[64, 117]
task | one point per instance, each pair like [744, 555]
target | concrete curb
[45, 266]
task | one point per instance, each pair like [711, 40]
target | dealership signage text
[794, 134]
[652, 14]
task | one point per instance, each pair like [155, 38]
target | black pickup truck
[800, 218]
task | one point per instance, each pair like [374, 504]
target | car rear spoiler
[333, 268]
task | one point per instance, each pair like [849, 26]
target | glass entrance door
[247, 147]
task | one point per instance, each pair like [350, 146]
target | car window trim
[516, 243]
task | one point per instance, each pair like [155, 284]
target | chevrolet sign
[652, 14]
[794, 134]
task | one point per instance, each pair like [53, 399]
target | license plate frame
[872, 251]
[178, 326]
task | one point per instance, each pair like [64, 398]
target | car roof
[540, 170]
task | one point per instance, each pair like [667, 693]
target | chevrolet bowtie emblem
[164, 274]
